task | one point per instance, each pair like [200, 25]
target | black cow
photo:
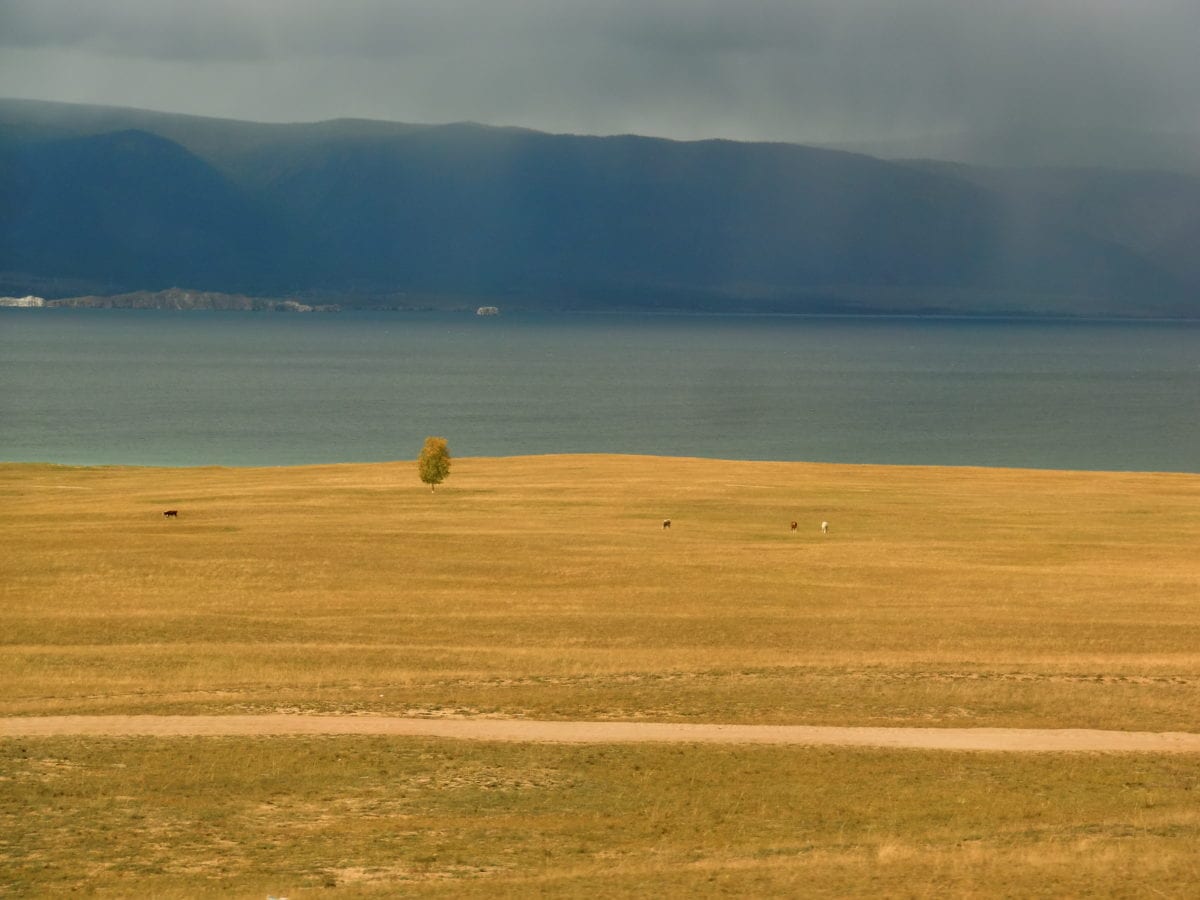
[171, 513]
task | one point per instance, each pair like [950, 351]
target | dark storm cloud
[780, 69]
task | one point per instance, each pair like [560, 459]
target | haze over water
[156, 388]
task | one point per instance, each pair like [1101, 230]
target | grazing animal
[171, 513]
[824, 528]
[666, 523]
[795, 525]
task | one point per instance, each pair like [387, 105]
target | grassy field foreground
[546, 587]
[377, 817]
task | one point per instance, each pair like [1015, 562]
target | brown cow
[666, 523]
[795, 525]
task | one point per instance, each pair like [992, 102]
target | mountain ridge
[364, 210]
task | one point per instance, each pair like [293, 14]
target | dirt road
[1018, 740]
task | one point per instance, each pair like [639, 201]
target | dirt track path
[1018, 740]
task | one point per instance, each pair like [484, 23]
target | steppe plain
[545, 588]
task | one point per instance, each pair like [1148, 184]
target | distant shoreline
[261, 304]
[604, 456]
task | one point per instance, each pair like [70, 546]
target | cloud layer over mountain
[796, 70]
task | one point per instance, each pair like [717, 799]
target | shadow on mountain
[365, 210]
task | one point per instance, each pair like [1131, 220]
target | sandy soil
[1020, 740]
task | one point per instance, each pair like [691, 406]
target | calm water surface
[160, 388]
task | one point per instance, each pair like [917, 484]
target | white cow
[824, 528]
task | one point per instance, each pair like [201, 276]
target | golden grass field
[545, 587]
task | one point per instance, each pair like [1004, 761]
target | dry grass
[545, 587]
[374, 817]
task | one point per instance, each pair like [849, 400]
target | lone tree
[434, 461]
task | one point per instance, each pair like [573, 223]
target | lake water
[160, 388]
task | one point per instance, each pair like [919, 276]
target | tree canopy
[434, 461]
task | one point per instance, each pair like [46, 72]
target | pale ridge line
[1014, 740]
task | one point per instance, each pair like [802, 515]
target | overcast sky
[795, 70]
